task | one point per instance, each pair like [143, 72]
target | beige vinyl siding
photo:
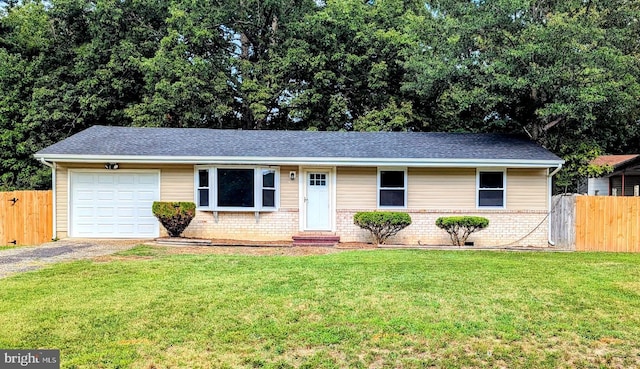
[177, 183]
[442, 188]
[289, 191]
[356, 188]
[527, 189]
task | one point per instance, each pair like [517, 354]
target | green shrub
[459, 228]
[382, 224]
[174, 216]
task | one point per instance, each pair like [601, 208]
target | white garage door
[113, 204]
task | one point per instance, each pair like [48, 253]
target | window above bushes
[237, 188]
[392, 187]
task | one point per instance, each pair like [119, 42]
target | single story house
[272, 185]
[625, 174]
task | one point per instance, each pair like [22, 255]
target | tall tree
[185, 79]
[23, 37]
[221, 65]
[68, 65]
[349, 62]
[565, 73]
[261, 76]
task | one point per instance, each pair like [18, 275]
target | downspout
[550, 186]
[53, 189]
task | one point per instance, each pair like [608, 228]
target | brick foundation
[270, 226]
[505, 228]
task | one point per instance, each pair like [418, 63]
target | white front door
[318, 201]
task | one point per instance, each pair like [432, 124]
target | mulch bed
[265, 248]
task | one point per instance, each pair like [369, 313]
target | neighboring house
[626, 173]
[272, 185]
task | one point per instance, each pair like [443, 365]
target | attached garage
[113, 204]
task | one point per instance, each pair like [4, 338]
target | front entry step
[180, 241]
[315, 239]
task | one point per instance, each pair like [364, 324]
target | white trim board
[320, 161]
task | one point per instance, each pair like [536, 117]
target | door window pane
[317, 179]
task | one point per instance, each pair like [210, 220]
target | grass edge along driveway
[148, 309]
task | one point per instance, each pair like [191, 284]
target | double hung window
[491, 189]
[392, 188]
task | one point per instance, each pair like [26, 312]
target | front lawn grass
[360, 309]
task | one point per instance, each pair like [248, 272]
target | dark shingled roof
[198, 142]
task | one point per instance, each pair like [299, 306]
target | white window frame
[504, 188]
[198, 187]
[380, 188]
[257, 189]
[260, 186]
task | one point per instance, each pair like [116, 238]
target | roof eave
[240, 160]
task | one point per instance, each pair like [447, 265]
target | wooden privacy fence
[596, 223]
[26, 217]
[608, 223]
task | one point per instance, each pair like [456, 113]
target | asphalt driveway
[23, 259]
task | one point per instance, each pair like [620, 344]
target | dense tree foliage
[565, 73]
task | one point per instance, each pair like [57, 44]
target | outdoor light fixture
[292, 175]
[111, 166]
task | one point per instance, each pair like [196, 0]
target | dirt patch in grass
[356, 245]
[231, 242]
[151, 252]
[242, 243]
[265, 248]
[236, 247]
[252, 250]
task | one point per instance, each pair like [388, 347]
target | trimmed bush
[382, 224]
[459, 228]
[174, 216]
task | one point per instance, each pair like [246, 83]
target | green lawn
[358, 309]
